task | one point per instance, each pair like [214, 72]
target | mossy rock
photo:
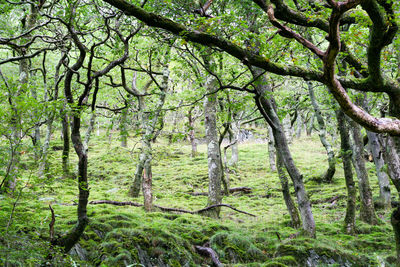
[233, 248]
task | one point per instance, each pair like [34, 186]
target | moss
[288, 260]
[234, 248]
[274, 264]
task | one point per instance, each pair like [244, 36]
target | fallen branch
[327, 200]
[129, 203]
[210, 253]
[243, 189]
[117, 203]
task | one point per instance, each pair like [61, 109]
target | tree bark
[383, 179]
[345, 147]
[328, 176]
[267, 107]
[367, 211]
[392, 160]
[123, 128]
[271, 150]
[148, 124]
[293, 212]
[147, 185]
[234, 140]
[192, 136]
[66, 144]
[213, 150]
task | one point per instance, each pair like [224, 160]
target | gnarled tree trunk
[345, 147]
[267, 107]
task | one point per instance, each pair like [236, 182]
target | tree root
[210, 253]
[129, 203]
[243, 189]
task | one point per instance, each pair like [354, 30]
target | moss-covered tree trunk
[191, 133]
[149, 122]
[345, 150]
[213, 149]
[367, 210]
[267, 107]
[293, 212]
[383, 179]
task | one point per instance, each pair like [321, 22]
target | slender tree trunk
[89, 130]
[310, 125]
[367, 211]
[287, 128]
[192, 136]
[271, 150]
[213, 150]
[345, 147]
[43, 163]
[293, 212]
[299, 123]
[268, 108]
[70, 239]
[234, 139]
[383, 179]
[147, 185]
[328, 176]
[66, 144]
[149, 123]
[123, 128]
[174, 123]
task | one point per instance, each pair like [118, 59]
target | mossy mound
[148, 245]
[234, 248]
[308, 252]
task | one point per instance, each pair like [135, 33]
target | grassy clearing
[119, 236]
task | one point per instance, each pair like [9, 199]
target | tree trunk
[287, 128]
[299, 125]
[367, 211]
[70, 239]
[271, 150]
[213, 150]
[234, 139]
[89, 130]
[310, 125]
[192, 136]
[345, 147]
[328, 176]
[66, 145]
[383, 179]
[123, 128]
[147, 185]
[148, 124]
[392, 160]
[293, 212]
[43, 163]
[395, 221]
[268, 108]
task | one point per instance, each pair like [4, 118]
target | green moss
[235, 248]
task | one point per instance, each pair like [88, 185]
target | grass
[120, 236]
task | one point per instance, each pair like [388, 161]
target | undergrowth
[126, 235]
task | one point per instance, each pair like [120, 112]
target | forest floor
[128, 236]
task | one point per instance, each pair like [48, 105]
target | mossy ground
[126, 235]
